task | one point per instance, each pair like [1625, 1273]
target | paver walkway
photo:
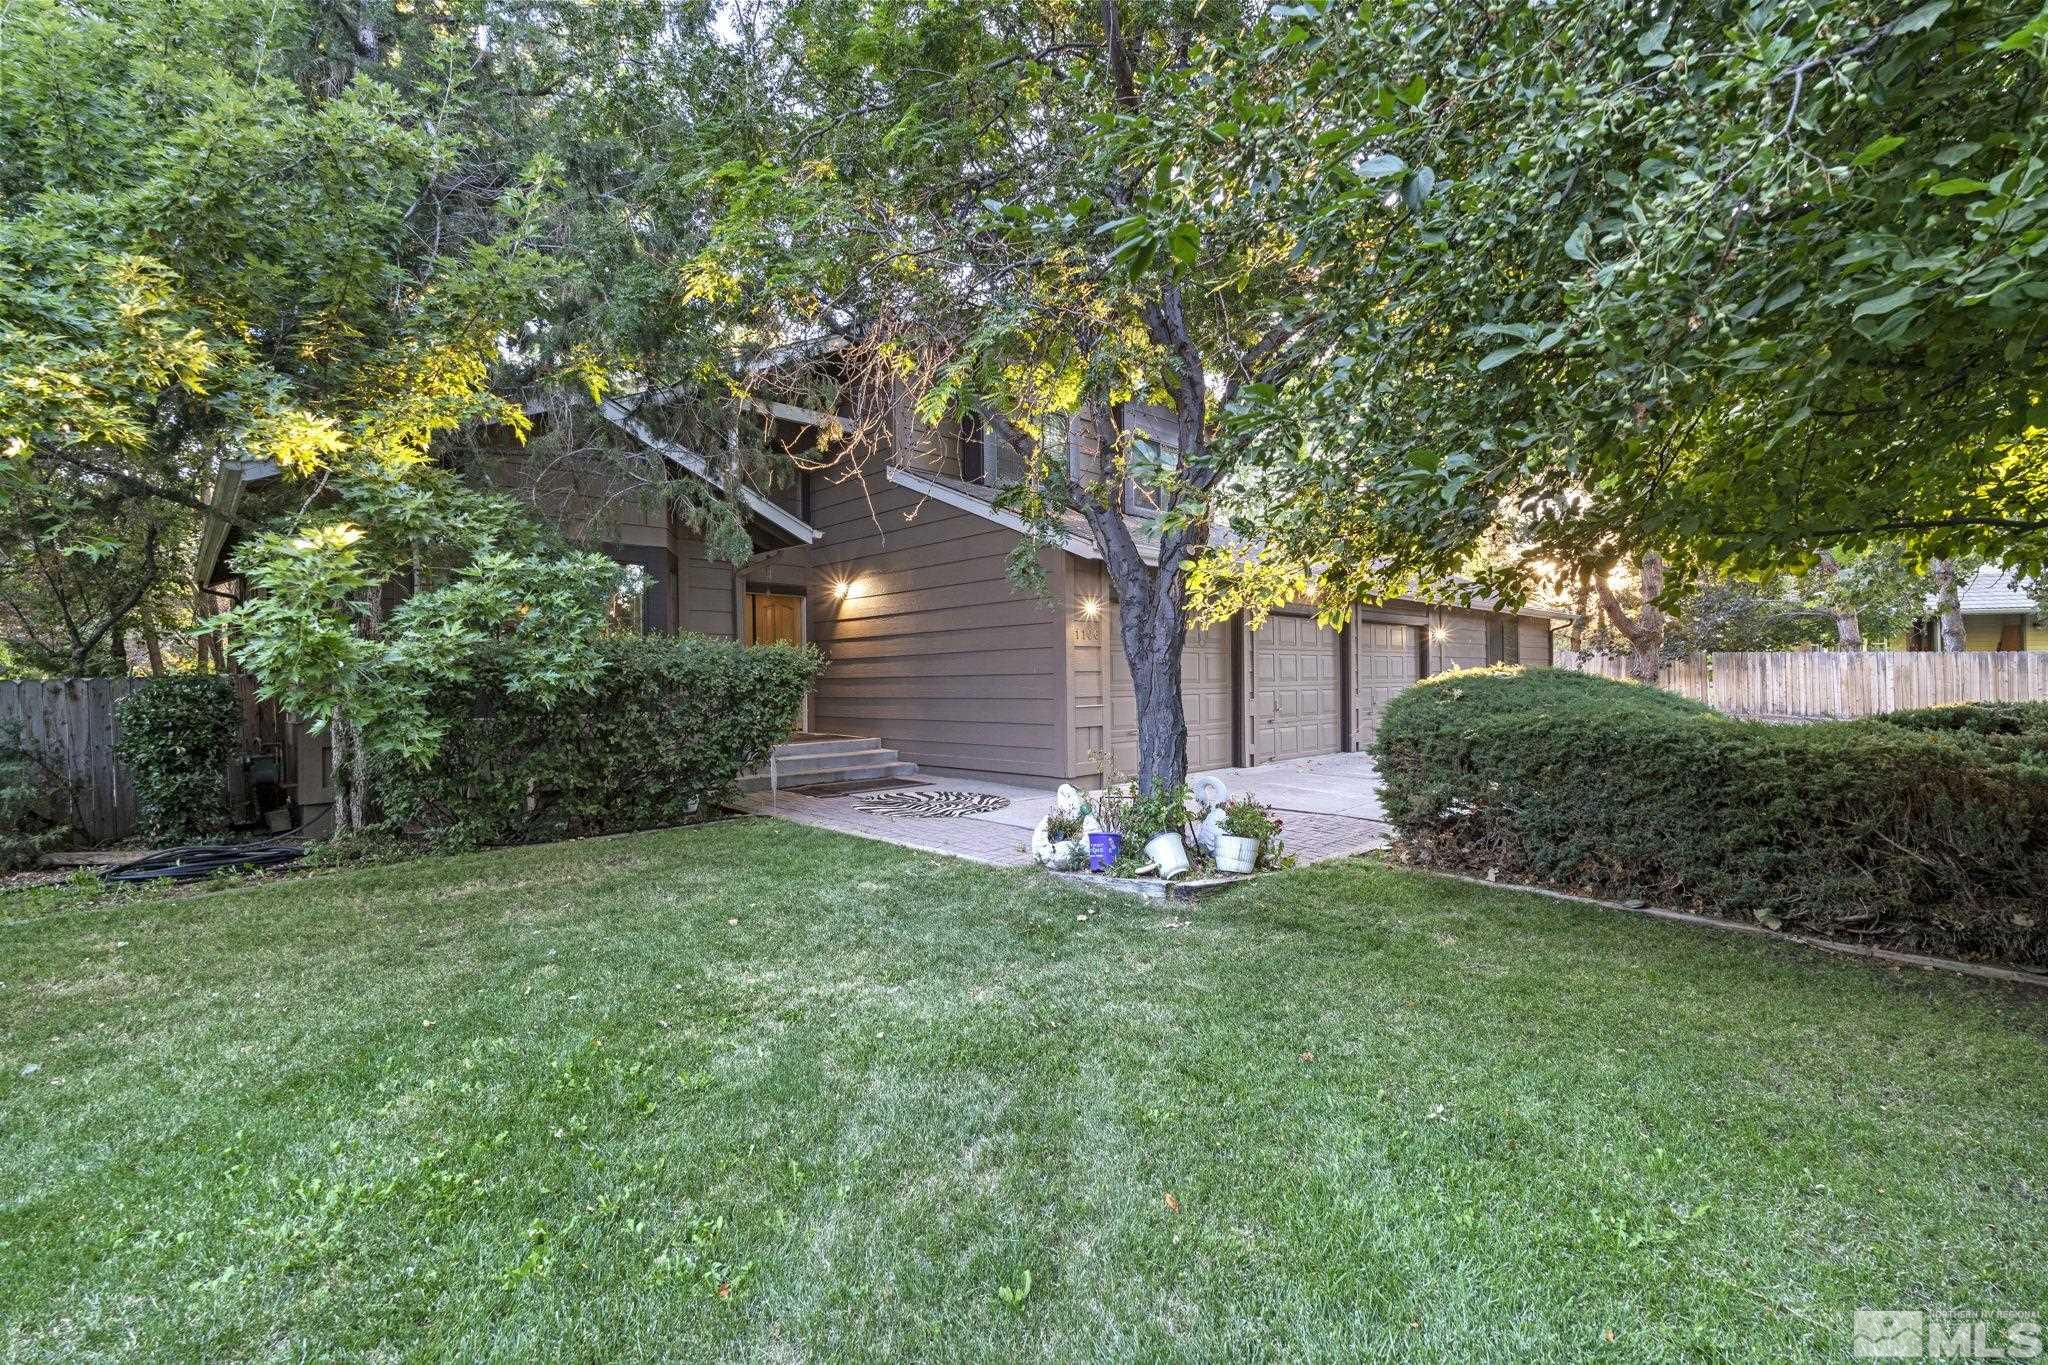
[1329, 806]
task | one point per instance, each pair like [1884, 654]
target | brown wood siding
[1087, 674]
[600, 510]
[1464, 642]
[932, 651]
[1103, 707]
[708, 603]
[1535, 637]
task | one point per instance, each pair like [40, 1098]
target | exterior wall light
[1091, 607]
[1438, 634]
[842, 588]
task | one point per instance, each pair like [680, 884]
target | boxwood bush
[673, 722]
[176, 738]
[1918, 832]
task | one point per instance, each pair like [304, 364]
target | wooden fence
[69, 723]
[1837, 685]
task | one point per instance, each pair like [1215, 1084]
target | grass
[555, 1102]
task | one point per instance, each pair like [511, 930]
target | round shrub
[1929, 839]
[176, 737]
[672, 723]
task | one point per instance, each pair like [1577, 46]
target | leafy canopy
[1734, 282]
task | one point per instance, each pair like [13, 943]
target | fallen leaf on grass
[1172, 1204]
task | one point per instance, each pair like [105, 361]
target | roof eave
[799, 530]
[1080, 546]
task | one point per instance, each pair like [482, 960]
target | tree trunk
[1848, 627]
[1645, 631]
[351, 787]
[153, 643]
[1582, 603]
[1153, 618]
[1848, 630]
[1948, 602]
[355, 804]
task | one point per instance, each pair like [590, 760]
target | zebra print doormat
[930, 805]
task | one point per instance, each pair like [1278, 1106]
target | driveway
[1330, 806]
[1332, 784]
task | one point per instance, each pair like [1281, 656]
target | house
[896, 569]
[1999, 613]
[894, 564]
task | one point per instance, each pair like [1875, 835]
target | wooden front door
[774, 618]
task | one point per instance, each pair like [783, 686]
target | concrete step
[835, 744]
[800, 765]
[853, 768]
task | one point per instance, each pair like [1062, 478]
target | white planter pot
[1169, 853]
[1235, 853]
[1066, 855]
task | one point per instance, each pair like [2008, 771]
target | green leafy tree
[232, 230]
[1013, 210]
[1732, 284]
[335, 239]
[401, 586]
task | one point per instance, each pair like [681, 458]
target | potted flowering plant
[1106, 841]
[1248, 825]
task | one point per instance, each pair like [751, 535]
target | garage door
[1205, 698]
[1295, 707]
[1387, 662]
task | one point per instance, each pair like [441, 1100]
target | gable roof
[622, 417]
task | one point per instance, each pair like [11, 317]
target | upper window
[973, 449]
[986, 458]
[1150, 464]
[642, 602]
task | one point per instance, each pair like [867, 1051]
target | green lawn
[553, 1102]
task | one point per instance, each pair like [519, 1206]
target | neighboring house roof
[1995, 590]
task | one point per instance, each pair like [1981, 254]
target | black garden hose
[202, 860]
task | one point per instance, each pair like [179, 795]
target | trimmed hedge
[672, 723]
[177, 736]
[1917, 832]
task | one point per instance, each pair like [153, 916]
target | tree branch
[1120, 73]
[143, 581]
